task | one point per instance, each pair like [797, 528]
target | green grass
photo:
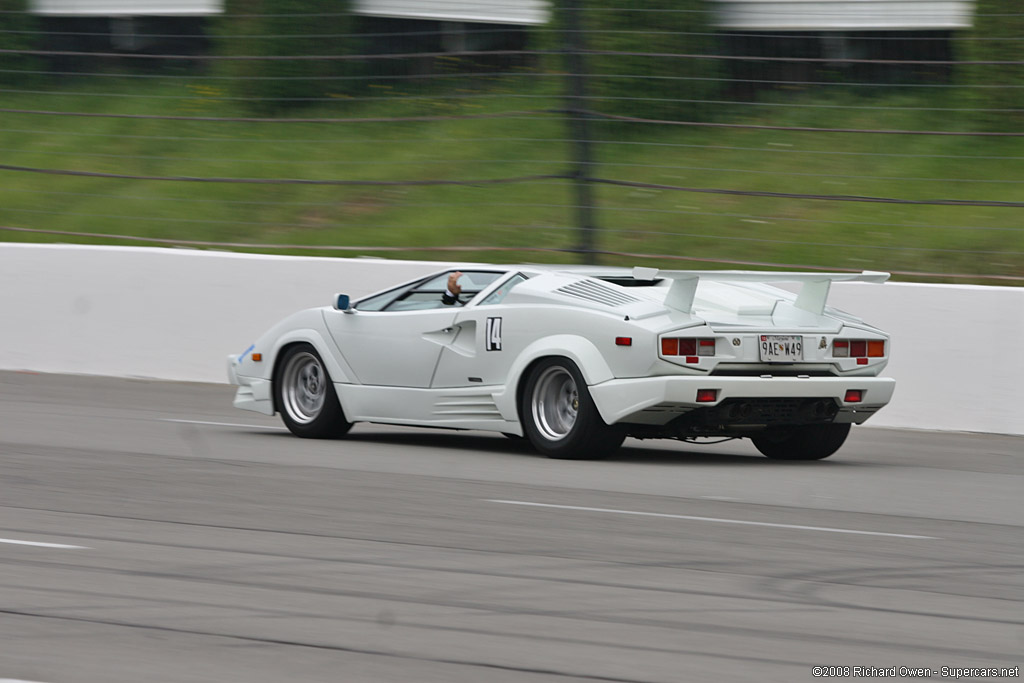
[524, 216]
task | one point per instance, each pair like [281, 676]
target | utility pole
[574, 44]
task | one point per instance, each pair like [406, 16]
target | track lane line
[221, 424]
[692, 518]
[39, 544]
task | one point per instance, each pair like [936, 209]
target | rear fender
[579, 350]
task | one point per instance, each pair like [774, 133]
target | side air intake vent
[592, 290]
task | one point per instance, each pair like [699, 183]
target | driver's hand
[453, 283]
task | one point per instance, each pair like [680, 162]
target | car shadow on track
[690, 454]
[662, 452]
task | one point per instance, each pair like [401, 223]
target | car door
[393, 349]
[396, 338]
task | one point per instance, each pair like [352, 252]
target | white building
[732, 15]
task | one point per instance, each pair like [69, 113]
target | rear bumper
[253, 393]
[659, 400]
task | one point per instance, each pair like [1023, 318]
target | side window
[472, 281]
[416, 301]
[377, 303]
[426, 294]
[498, 295]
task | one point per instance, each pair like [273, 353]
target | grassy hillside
[528, 215]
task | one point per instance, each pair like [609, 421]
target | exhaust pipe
[739, 411]
[821, 409]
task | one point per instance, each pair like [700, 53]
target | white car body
[424, 363]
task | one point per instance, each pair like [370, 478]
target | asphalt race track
[149, 532]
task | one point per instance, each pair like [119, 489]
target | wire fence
[605, 133]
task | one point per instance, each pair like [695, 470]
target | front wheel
[559, 416]
[807, 442]
[305, 395]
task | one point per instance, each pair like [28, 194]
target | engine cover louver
[592, 290]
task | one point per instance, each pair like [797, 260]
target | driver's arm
[451, 297]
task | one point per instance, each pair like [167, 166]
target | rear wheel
[305, 395]
[807, 442]
[559, 416]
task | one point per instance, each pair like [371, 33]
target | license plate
[781, 348]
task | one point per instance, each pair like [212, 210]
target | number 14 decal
[492, 335]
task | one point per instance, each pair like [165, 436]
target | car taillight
[687, 346]
[858, 348]
[707, 395]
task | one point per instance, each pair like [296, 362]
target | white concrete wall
[175, 314]
[957, 353]
[161, 313]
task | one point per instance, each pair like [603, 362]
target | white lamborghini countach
[576, 359]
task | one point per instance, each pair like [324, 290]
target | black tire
[559, 416]
[305, 396]
[807, 442]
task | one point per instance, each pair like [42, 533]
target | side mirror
[343, 303]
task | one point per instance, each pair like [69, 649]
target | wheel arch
[581, 351]
[312, 338]
[545, 409]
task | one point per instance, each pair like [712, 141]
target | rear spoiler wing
[812, 296]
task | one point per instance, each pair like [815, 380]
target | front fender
[255, 378]
[305, 326]
[339, 370]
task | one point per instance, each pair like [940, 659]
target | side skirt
[457, 408]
